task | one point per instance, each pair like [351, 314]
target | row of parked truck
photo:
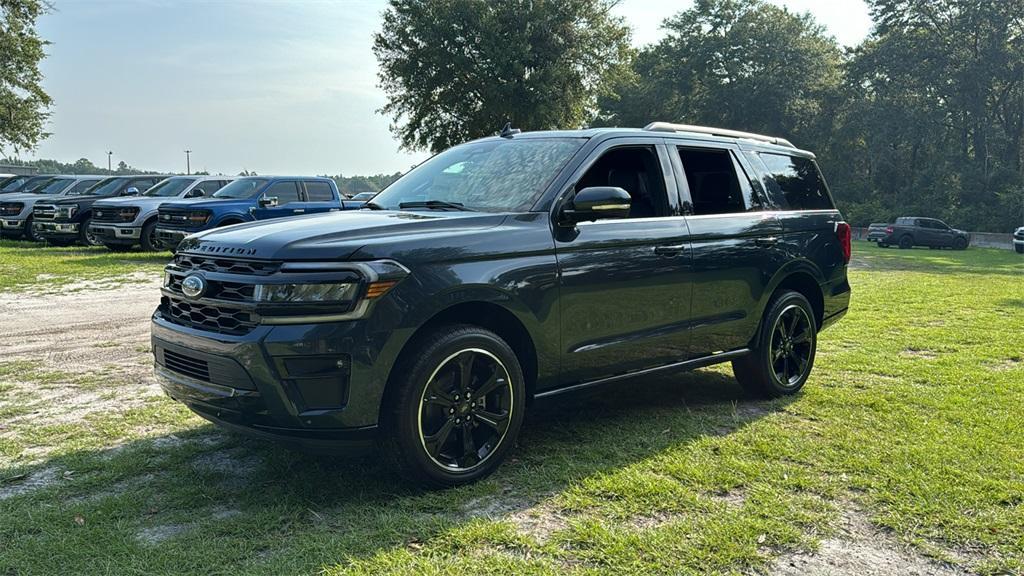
[154, 212]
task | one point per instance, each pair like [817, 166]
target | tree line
[924, 117]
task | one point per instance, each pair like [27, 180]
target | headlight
[11, 208]
[67, 212]
[306, 293]
[198, 217]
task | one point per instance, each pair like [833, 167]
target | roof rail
[670, 127]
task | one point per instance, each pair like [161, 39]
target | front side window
[716, 182]
[169, 188]
[208, 187]
[502, 175]
[241, 188]
[636, 170]
[796, 183]
[285, 192]
[317, 191]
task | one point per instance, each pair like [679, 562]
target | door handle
[669, 250]
[766, 241]
[298, 210]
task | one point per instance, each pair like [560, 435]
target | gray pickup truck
[910, 231]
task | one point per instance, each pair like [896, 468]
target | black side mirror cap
[597, 203]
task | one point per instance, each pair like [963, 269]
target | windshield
[13, 183]
[53, 186]
[35, 183]
[241, 188]
[170, 187]
[105, 187]
[492, 176]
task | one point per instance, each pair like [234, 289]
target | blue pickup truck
[247, 199]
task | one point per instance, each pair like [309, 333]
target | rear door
[737, 244]
[319, 197]
[625, 284]
[289, 200]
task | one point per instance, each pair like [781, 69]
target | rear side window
[317, 191]
[796, 183]
[285, 192]
[716, 182]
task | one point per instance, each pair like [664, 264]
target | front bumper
[56, 229]
[12, 224]
[114, 234]
[170, 237]
[318, 385]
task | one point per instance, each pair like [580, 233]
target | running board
[666, 369]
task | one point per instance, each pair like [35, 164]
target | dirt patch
[156, 534]
[920, 353]
[538, 520]
[1008, 364]
[37, 480]
[861, 549]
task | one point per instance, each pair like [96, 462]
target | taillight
[888, 229]
[845, 236]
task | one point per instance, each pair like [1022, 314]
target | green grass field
[913, 420]
[25, 265]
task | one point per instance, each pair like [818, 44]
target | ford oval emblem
[193, 286]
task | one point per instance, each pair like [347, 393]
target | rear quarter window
[318, 191]
[796, 183]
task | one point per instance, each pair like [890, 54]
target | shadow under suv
[504, 271]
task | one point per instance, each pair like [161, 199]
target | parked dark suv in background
[502, 271]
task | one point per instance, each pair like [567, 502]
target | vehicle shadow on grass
[178, 501]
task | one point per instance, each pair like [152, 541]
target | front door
[289, 201]
[625, 283]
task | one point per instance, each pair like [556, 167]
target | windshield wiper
[435, 204]
[372, 205]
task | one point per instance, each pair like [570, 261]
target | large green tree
[458, 69]
[23, 102]
[742, 64]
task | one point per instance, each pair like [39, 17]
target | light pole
[109, 154]
[188, 162]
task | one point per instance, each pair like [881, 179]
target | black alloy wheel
[457, 401]
[906, 242]
[87, 237]
[783, 355]
[148, 239]
[791, 342]
[465, 410]
[30, 231]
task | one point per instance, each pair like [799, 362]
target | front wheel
[783, 356]
[87, 237]
[1019, 248]
[30, 231]
[960, 244]
[148, 238]
[458, 406]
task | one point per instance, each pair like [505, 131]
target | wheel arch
[802, 277]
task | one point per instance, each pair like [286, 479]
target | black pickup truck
[910, 231]
[502, 272]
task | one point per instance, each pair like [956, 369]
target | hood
[25, 197]
[334, 235]
[207, 202]
[143, 202]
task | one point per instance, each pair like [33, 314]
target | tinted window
[209, 186]
[55, 186]
[169, 188]
[796, 183]
[493, 175]
[13, 183]
[713, 181]
[285, 192]
[317, 191]
[107, 187]
[637, 171]
[241, 188]
[82, 186]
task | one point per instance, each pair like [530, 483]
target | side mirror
[597, 203]
[267, 201]
[131, 191]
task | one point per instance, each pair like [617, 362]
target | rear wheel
[906, 242]
[458, 406]
[148, 238]
[784, 353]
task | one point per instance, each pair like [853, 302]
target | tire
[148, 239]
[1019, 248]
[906, 242]
[30, 232]
[118, 247]
[783, 356]
[435, 426]
[960, 244]
[86, 238]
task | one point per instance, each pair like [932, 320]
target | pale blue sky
[276, 87]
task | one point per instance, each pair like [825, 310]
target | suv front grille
[44, 212]
[197, 314]
[111, 214]
[247, 267]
